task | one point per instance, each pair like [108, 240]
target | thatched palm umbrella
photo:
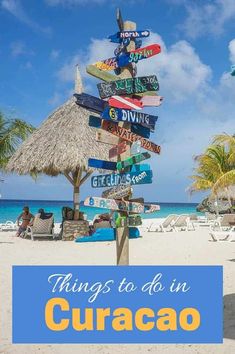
[61, 145]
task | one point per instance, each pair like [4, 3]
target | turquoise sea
[10, 209]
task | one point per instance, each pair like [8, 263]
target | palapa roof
[62, 144]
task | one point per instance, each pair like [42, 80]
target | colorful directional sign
[119, 36]
[127, 58]
[118, 149]
[128, 86]
[96, 122]
[151, 101]
[135, 103]
[125, 115]
[131, 221]
[102, 164]
[132, 160]
[125, 102]
[118, 192]
[113, 204]
[115, 179]
[90, 102]
[140, 168]
[121, 205]
[127, 135]
[138, 54]
[104, 137]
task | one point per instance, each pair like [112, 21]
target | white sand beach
[155, 248]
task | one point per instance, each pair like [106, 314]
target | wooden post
[76, 189]
[122, 235]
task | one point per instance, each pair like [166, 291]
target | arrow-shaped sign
[120, 36]
[115, 179]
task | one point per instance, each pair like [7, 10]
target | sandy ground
[182, 248]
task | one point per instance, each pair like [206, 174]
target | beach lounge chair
[42, 228]
[8, 226]
[228, 235]
[223, 224]
[165, 226]
[183, 223]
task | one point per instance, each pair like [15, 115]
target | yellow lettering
[196, 319]
[168, 321]
[101, 314]
[124, 320]
[139, 317]
[49, 314]
[87, 325]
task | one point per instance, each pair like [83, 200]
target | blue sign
[110, 304]
[140, 176]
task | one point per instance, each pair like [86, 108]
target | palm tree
[215, 171]
[12, 133]
[229, 142]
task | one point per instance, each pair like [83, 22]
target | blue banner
[110, 304]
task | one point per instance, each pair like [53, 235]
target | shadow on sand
[229, 316]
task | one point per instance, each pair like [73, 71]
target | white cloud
[180, 70]
[98, 49]
[207, 17]
[231, 48]
[14, 7]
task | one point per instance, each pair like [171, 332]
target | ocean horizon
[11, 208]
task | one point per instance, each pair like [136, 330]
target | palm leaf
[227, 180]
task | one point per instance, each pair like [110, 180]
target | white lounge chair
[164, 226]
[42, 228]
[228, 235]
[8, 226]
[183, 223]
[223, 224]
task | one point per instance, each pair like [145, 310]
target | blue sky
[41, 41]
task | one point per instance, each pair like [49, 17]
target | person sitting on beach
[27, 219]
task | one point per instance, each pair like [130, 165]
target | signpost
[125, 102]
[132, 160]
[124, 126]
[122, 205]
[127, 135]
[128, 86]
[119, 36]
[101, 164]
[117, 192]
[96, 122]
[90, 102]
[116, 179]
[130, 57]
[125, 115]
